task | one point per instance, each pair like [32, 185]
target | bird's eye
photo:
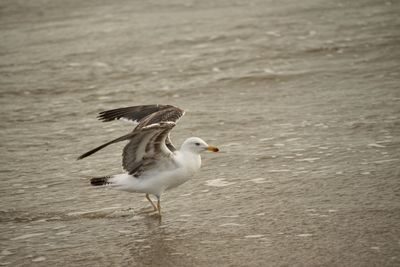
[197, 144]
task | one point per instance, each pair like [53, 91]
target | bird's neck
[191, 161]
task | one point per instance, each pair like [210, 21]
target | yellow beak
[212, 148]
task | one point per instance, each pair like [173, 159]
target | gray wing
[145, 115]
[147, 149]
[138, 113]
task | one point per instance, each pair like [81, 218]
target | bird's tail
[122, 182]
[97, 181]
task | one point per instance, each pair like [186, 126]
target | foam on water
[304, 235]
[38, 259]
[230, 224]
[253, 236]
[27, 236]
[220, 182]
[258, 180]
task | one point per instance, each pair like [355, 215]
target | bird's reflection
[159, 244]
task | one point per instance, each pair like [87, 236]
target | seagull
[151, 162]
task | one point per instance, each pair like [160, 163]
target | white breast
[155, 182]
[188, 163]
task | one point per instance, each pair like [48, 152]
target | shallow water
[302, 99]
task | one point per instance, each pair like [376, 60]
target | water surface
[302, 98]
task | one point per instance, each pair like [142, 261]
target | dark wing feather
[135, 113]
[145, 115]
[168, 114]
[146, 148]
[119, 139]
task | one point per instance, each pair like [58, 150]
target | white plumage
[152, 163]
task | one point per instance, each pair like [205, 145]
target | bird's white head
[197, 145]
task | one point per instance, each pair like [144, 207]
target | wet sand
[303, 100]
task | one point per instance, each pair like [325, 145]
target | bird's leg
[151, 202]
[158, 205]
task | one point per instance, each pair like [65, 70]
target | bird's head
[197, 145]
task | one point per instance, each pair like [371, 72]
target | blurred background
[302, 98]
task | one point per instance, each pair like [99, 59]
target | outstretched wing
[147, 149]
[145, 115]
[119, 139]
[138, 113]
